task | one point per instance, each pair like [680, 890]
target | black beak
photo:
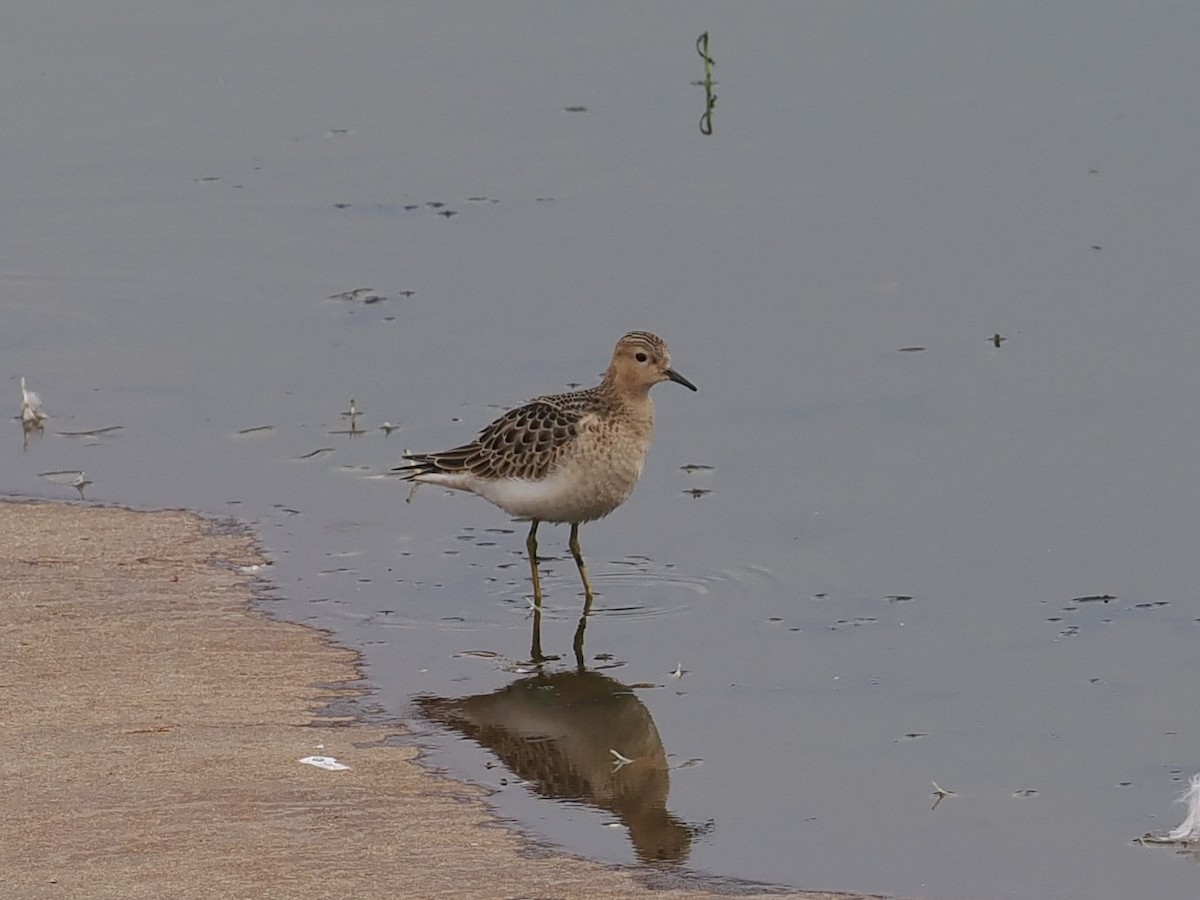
[679, 379]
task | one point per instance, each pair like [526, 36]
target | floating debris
[997, 339]
[80, 483]
[365, 472]
[1025, 792]
[64, 477]
[320, 451]
[910, 350]
[32, 412]
[574, 109]
[352, 414]
[479, 654]
[358, 295]
[254, 429]
[1188, 831]
[710, 97]
[73, 477]
[325, 762]
[941, 794]
[93, 432]
[1094, 598]
[703, 475]
[702, 49]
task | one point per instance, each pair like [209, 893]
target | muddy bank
[153, 722]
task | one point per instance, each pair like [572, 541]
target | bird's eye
[641, 357]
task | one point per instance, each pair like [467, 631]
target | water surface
[882, 587]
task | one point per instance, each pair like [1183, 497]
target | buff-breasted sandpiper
[564, 457]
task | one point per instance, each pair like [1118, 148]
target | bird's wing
[523, 443]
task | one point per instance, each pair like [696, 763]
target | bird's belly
[578, 495]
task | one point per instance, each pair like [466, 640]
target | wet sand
[153, 722]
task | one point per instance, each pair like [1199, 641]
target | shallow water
[881, 588]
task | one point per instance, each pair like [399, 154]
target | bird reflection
[579, 735]
[29, 429]
[537, 657]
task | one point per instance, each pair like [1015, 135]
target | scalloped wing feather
[523, 443]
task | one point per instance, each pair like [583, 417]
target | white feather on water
[1189, 828]
[31, 406]
[1188, 831]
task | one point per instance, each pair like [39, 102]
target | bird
[563, 458]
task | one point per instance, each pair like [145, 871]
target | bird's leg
[535, 651]
[587, 595]
[587, 585]
[531, 547]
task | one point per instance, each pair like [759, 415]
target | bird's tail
[417, 464]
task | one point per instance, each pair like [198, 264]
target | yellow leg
[531, 547]
[587, 585]
[535, 650]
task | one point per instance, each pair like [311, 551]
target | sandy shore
[153, 724]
